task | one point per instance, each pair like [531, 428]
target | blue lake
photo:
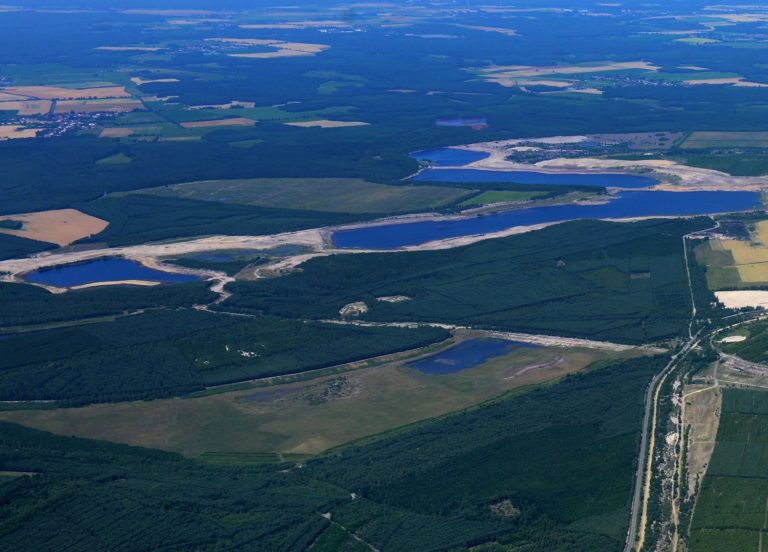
[448, 157]
[465, 355]
[532, 177]
[111, 269]
[628, 204]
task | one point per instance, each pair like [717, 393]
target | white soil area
[734, 339]
[742, 299]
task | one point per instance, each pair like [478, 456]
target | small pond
[466, 354]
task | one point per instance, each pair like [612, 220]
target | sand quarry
[62, 226]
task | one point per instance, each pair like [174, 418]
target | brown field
[13, 132]
[116, 132]
[501, 30]
[533, 71]
[61, 93]
[286, 49]
[735, 81]
[297, 25]
[236, 121]
[168, 13]
[129, 48]
[325, 123]
[138, 81]
[27, 107]
[62, 226]
[117, 105]
[246, 41]
[5, 97]
[308, 417]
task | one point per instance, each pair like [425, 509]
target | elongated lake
[449, 157]
[112, 269]
[628, 204]
[466, 354]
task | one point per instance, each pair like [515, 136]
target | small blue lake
[448, 157]
[466, 354]
[628, 204]
[110, 269]
[616, 180]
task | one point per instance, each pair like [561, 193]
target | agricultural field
[737, 263]
[61, 227]
[309, 417]
[731, 511]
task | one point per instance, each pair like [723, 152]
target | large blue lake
[466, 354]
[110, 269]
[628, 204]
[616, 180]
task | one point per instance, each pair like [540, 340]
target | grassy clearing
[701, 140]
[334, 195]
[308, 417]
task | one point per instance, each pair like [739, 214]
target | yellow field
[237, 121]
[14, 132]
[307, 417]
[501, 30]
[325, 123]
[62, 226]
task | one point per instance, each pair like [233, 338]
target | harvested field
[62, 93]
[325, 123]
[735, 81]
[27, 107]
[62, 226]
[297, 25]
[282, 49]
[311, 416]
[138, 81]
[116, 132]
[13, 132]
[501, 30]
[100, 106]
[236, 121]
[315, 194]
[129, 48]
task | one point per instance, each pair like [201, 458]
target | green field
[499, 196]
[561, 455]
[732, 510]
[701, 140]
[310, 416]
[316, 194]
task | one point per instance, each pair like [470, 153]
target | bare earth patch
[325, 123]
[62, 226]
[741, 299]
[237, 121]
